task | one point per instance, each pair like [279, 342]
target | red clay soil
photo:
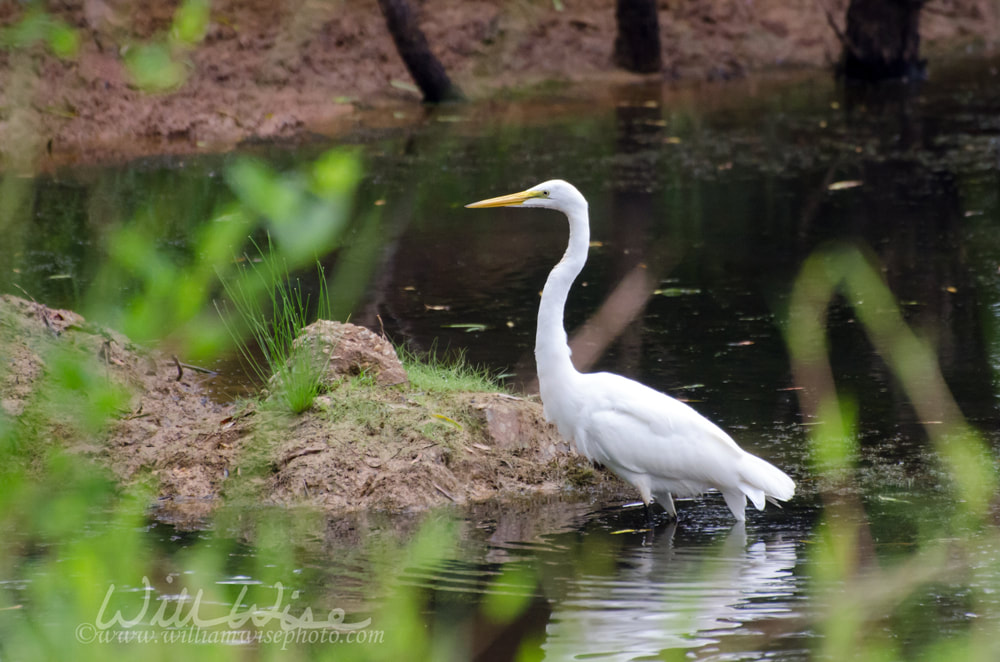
[281, 69]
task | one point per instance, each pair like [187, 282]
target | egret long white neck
[552, 354]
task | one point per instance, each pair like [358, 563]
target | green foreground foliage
[842, 567]
[79, 566]
[79, 551]
[78, 548]
[86, 567]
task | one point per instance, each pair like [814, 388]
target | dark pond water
[707, 201]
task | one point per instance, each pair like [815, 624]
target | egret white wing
[662, 444]
[642, 430]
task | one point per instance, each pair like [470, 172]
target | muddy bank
[362, 446]
[281, 70]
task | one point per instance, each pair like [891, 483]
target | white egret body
[658, 444]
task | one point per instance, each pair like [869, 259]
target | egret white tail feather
[658, 444]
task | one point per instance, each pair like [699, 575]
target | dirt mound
[361, 446]
[164, 425]
[423, 457]
[349, 349]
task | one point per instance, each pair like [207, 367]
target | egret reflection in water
[670, 593]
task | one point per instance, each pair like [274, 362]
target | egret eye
[545, 193]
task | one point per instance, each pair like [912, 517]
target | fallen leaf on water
[403, 85]
[676, 291]
[845, 184]
[469, 328]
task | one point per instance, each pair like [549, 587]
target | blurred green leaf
[263, 191]
[510, 594]
[834, 440]
[38, 26]
[152, 68]
[80, 394]
[63, 40]
[335, 173]
[305, 220]
[190, 22]
[33, 27]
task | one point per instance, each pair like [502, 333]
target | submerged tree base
[360, 446]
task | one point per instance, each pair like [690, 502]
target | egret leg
[647, 499]
[668, 505]
[737, 503]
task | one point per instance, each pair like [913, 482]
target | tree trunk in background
[637, 44]
[882, 40]
[423, 65]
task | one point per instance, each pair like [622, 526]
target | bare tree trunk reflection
[910, 213]
[616, 318]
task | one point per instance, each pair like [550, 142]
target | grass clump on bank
[432, 372]
[269, 325]
[433, 407]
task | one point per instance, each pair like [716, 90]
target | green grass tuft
[434, 373]
[273, 311]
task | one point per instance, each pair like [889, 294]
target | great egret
[658, 444]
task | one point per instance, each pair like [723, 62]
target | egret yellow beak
[511, 200]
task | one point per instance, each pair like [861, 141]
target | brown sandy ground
[283, 69]
[362, 446]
